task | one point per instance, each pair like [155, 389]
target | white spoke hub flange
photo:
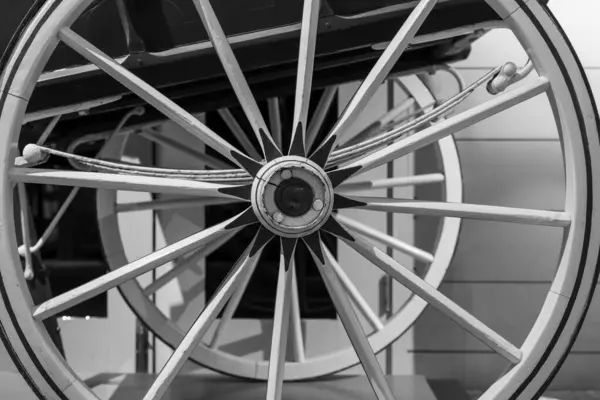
[292, 196]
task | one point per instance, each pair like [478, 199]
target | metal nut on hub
[286, 174]
[278, 217]
[318, 205]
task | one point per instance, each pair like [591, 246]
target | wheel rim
[404, 316]
[565, 306]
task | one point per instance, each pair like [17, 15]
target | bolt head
[286, 174]
[278, 217]
[318, 205]
[33, 153]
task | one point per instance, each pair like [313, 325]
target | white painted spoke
[403, 181]
[383, 67]
[388, 240]
[48, 130]
[383, 122]
[129, 271]
[173, 204]
[203, 158]
[306, 60]
[148, 93]
[275, 120]
[281, 322]
[318, 117]
[464, 210]
[239, 133]
[353, 328]
[113, 140]
[188, 261]
[449, 126]
[352, 291]
[199, 328]
[232, 68]
[296, 321]
[61, 211]
[24, 212]
[136, 183]
[436, 299]
[233, 303]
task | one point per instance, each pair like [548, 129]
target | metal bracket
[508, 75]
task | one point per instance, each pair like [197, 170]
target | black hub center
[294, 197]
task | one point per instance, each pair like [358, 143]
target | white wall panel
[477, 371]
[579, 19]
[494, 48]
[510, 174]
[594, 80]
[495, 304]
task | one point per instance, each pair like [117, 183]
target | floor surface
[190, 387]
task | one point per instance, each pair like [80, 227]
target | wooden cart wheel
[312, 188]
[415, 100]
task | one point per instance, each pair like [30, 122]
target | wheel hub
[292, 196]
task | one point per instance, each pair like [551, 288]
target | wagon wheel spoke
[275, 120]
[238, 132]
[387, 183]
[281, 321]
[432, 296]
[306, 60]
[48, 130]
[25, 233]
[173, 204]
[354, 294]
[350, 321]
[297, 337]
[133, 270]
[188, 261]
[234, 302]
[377, 75]
[169, 143]
[464, 210]
[388, 240]
[157, 99]
[52, 225]
[99, 180]
[201, 325]
[442, 129]
[288, 248]
[74, 191]
[318, 118]
[236, 77]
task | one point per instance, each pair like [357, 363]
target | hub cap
[292, 196]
